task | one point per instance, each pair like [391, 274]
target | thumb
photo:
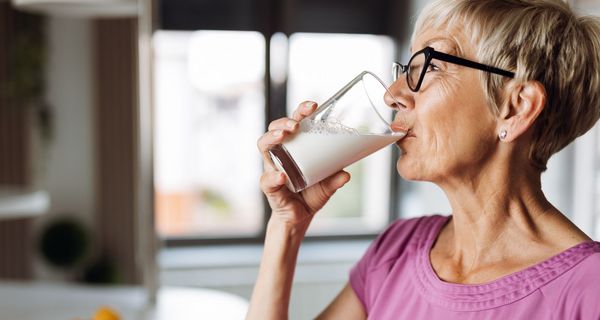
[336, 181]
[317, 195]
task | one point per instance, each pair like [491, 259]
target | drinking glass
[352, 124]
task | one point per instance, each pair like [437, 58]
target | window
[210, 110]
[209, 100]
[273, 55]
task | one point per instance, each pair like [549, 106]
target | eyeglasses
[420, 64]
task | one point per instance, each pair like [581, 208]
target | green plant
[102, 270]
[27, 59]
[24, 86]
[216, 201]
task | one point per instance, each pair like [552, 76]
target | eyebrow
[453, 44]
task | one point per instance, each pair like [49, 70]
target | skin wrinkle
[447, 80]
[479, 258]
[483, 221]
[495, 196]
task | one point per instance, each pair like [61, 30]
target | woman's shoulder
[581, 286]
[405, 235]
[585, 276]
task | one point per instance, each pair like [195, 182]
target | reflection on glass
[209, 112]
[319, 64]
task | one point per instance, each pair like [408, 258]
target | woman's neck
[502, 215]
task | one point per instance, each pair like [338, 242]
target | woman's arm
[271, 295]
[291, 215]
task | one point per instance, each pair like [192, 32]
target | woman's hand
[292, 214]
[296, 209]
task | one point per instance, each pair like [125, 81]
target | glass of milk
[352, 124]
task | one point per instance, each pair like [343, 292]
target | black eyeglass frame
[431, 54]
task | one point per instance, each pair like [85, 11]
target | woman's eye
[432, 67]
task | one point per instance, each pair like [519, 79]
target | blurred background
[128, 162]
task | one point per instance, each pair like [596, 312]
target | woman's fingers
[280, 128]
[266, 142]
[272, 181]
[334, 182]
[317, 195]
[270, 139]
[286, 124]
[304, 110]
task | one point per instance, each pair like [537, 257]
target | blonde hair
[540, 40]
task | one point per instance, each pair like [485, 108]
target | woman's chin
[406, 170]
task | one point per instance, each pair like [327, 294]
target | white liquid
[321, 149]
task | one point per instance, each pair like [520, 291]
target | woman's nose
[398, 95]
[390, 100]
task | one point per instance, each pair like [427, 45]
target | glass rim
[353, 82]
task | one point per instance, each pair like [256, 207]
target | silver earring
[502, 134]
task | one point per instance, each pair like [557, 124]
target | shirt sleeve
[386, 247]
[371, 270]
[586, 300]
[358, 275]
[588, 307]
[581, 299]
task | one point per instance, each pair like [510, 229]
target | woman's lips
[396, 127]
[409, 135]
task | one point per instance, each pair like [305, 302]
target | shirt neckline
[495, 293]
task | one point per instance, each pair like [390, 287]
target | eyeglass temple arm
[471, 64]
[400, 66]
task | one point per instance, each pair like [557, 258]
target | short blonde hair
[540, 40]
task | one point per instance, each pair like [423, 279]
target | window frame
[275, 110]
[270, 19]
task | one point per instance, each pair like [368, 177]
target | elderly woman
[493, 89]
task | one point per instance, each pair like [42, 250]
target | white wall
[65, 167]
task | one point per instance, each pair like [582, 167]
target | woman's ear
[525, 102]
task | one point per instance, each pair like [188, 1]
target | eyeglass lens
[415, 68]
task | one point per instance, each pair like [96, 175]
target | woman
[493, 90]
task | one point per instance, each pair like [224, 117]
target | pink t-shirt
[395, 280]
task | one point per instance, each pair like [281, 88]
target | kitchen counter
[57, 301]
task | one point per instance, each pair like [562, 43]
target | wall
[15, 239]
[65, 166]
[115, 42]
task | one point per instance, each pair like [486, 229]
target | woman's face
[453, 132]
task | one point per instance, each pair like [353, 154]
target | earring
[502, 134]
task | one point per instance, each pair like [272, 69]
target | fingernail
[291, 124]
[309, 105]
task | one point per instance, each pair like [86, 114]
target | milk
[322, 148]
